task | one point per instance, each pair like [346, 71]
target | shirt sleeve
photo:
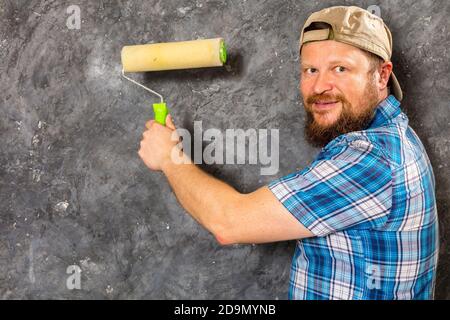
[348, 186]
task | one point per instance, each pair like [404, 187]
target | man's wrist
[171, 162]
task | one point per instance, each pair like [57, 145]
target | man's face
[339, 92]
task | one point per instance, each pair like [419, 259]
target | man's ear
[385, 73]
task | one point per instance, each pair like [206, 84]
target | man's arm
[232, 217]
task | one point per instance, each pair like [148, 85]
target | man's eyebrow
[339, 61]
[332, 62]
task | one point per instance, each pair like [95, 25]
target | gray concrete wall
[72, 188]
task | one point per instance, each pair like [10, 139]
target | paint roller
[171, 56]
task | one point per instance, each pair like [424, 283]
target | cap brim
[395, 87]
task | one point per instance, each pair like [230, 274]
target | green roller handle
[161, 111]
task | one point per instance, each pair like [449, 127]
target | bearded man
[364, 211]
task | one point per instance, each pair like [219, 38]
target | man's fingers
[169, 122]
[149, 123]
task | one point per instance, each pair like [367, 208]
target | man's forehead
[330, 51]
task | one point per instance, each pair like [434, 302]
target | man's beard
[319, 136]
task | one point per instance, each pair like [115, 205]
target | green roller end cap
[223, 52]
[161, 111]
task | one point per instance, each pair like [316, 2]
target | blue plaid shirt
[369, 200]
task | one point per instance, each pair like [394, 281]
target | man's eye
[310, 70]
[340, 69]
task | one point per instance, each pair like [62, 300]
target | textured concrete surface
[72, 188]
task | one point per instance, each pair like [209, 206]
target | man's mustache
[325, 98]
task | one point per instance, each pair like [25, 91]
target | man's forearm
[206, 198]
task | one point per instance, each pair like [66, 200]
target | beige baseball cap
[354, 26]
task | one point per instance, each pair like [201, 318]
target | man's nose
[322, 84]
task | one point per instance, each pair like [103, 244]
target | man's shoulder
[394, 141]
[383, 142]
[354, 147]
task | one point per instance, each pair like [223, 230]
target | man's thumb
[169, 122]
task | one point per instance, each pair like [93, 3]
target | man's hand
[157, 143]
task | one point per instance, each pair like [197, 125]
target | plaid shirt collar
[387, 110]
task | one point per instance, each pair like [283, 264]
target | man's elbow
[223, 241]
[226, 229]
[224, 233]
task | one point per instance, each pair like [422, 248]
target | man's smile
[324, 105]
